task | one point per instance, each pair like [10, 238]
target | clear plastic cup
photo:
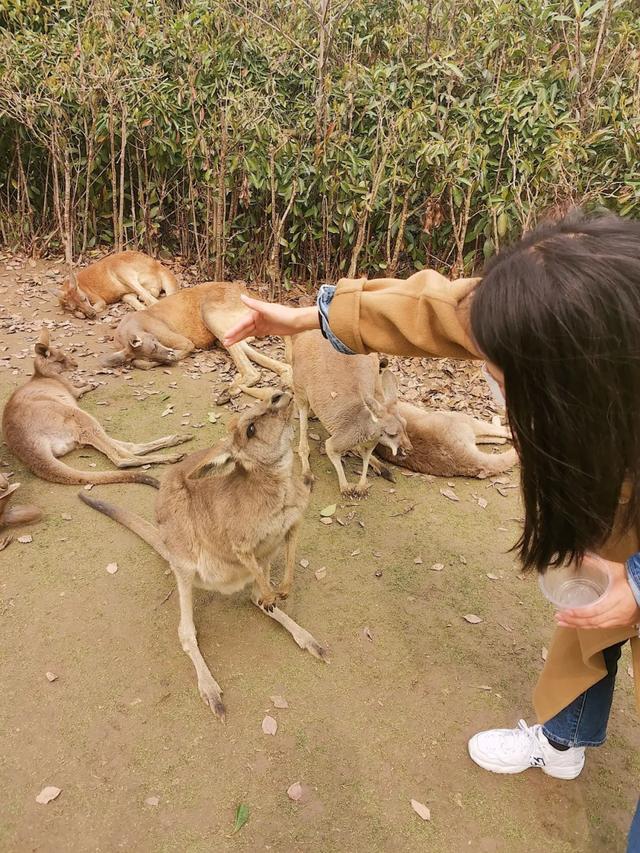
[576, 584]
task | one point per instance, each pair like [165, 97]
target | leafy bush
[308, 139]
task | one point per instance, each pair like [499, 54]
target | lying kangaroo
[17, 514]
[222, 515]
[129, 277]
[194, 318]
[444, 444]
[42, 421]
[355, 403]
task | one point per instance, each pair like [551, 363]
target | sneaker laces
[523, 737]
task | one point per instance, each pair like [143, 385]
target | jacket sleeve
[424, 315]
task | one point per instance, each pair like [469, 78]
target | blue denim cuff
[325, 295]
[633, 575]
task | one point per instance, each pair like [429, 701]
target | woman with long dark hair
[557, 319]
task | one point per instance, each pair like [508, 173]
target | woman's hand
[266, 318]
[617, 608]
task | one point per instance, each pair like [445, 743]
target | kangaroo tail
[146, 531]
[55, 471]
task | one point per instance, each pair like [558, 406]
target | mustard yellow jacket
[427, 315]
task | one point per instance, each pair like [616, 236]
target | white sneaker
[515, 750]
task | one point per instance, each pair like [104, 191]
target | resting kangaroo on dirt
[222, 515]
[17, 514]
[355, 403]
[42, 421]
[194, 318]
[130, 277]
[444, 444]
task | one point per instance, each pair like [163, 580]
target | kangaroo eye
[251, 430]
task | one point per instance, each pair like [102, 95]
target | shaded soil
[386, 721]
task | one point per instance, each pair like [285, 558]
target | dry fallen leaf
[326, 521]
[65, 516]
[279, 702]
[304, 563]
[484, 687]
[152, 801]
[25, 539]
[367, 633]
[482, 503]
[492, 577]
[418, 561]
[51, 676]
[294, 792]
[472, 618]
[328, 510]
[320, 573]
[50, 792]
[437, 567]
[167, 411]
[355, 553]
[544, 653]
[449, 493]
[112, 568]
[269, 725]
[421, 810]
[89, 486]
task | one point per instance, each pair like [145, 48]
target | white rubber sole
[565, 773]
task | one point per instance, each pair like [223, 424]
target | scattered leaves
[418, 561]
[50, 792]
[482, 503]
[544, 653]
[294, 792]
[367, 633]
[112, 568]
[421, 810]
[25, 539]
[242, 816]
[152, 801]
[472, 618]
[304, 563]
[450, 494]
[492, 577]
[279, 702]
[320, 573]
[51, 676]
[355, 553]
[269, 725]
[328, 510]
[65, 516]
[326, 521]
[437, 567]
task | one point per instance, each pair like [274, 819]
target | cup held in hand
[576, 584]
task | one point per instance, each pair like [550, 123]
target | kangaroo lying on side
[194, 318]
[17, 514]
[222, 515]
[444, 444]
[130, 277]
[355, 403]
[42, 421]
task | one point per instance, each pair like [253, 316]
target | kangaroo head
[260, 438]
[147, 346]
[73, 299]
[48, 360]
[392, 427]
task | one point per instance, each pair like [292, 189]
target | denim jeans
[584, 723]
[634, 833]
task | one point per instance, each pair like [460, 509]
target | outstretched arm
[266, 318]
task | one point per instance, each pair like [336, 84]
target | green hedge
[425, 134]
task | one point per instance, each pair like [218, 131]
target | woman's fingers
[244, 328]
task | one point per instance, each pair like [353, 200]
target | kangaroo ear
[375, 409]
[136, 342]
[42, 347]
[213, 466]
[389, 386]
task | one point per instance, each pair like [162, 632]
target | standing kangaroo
[222, 515]
[194, 318]
[130, 277]
[355, 403]
[42, 421]
[444, 444]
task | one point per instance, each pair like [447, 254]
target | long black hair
[559, 314]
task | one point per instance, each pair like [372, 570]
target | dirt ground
[386, 721]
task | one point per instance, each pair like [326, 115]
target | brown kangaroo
[355, 403]
[194, 318]
[130, 277]
[444, 444]
[42, 421]
[222, 515]
[16, 514]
